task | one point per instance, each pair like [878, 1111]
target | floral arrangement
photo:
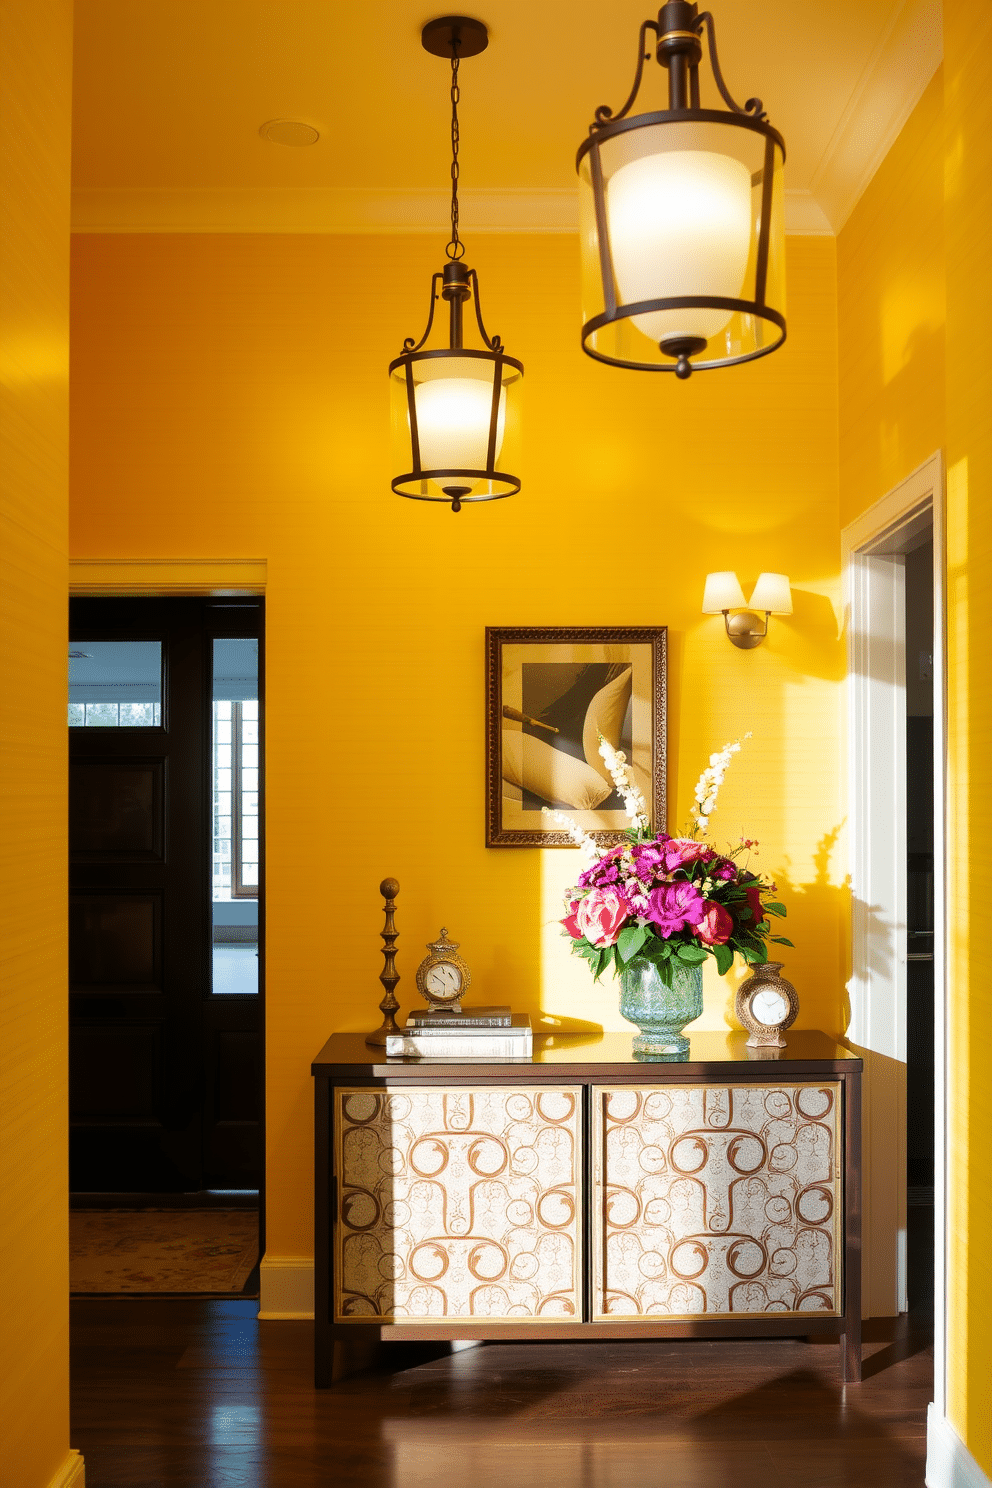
[671, 900]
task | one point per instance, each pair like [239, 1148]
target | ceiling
[169, 97]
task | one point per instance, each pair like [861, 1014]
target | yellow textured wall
[890, 306]
[914, 289]
[35, 81]
[230, 398]
[968, 216]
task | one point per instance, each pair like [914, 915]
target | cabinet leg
[850, 1354]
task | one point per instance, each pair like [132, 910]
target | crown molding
[890, 87]
[351, 209]
[118, 576]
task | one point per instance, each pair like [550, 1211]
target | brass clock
[442, 977]
[767, 1005]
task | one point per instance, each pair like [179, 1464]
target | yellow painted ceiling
[171, 93]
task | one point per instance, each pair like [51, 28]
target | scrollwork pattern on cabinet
[717, 1200]
[458, 1203]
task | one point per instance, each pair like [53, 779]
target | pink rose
[600, 916]
[716, 926]
[571, 922]
[679, 851]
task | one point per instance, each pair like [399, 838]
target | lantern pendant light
[455, 409]
[682, 219]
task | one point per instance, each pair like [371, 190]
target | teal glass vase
[660, 1012]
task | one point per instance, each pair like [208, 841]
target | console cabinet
[587, 1193]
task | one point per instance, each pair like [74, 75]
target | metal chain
[455, 248]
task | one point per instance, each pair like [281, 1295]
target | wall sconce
[723, 593]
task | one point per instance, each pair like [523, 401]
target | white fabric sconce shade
[722, 592]
[772, 594]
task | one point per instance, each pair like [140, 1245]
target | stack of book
[474, 1033]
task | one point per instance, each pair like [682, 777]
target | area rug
[161, 1250]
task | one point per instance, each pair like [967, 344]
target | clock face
[443, 981]
[768, 1007]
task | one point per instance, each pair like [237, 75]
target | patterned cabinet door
[716, 1200]
[460, 1203]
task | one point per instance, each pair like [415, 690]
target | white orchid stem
[587, 845]
[709, 783]
[634, 803]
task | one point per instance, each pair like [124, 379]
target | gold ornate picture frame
[550, 694]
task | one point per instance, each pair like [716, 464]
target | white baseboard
[285, 1288]
[72, 1473]
[949, 1463]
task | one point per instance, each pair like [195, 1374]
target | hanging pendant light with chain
[456, 416]
[682, 218]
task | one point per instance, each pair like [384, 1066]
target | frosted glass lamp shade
[773, 594]
[680, 225]
[453, 415]
[722, 592]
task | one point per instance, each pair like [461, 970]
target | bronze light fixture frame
[456, 37]
[678, 31]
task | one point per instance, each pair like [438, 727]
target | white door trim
[871, 547]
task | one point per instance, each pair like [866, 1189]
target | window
[235, 782]
[115, 715]
[115, 684]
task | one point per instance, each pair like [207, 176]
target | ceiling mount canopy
[456, 416]
[682, 218]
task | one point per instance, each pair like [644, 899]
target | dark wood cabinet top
[599, 1057]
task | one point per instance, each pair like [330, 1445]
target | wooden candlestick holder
[389, 1006]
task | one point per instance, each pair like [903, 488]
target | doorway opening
[894, 570]
[919, 632]
[166, 729]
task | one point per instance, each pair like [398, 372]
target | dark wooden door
[165, 1076]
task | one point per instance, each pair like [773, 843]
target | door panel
[143, 1038]
[115, 942]
[459, 1204]
[717, 1201]
[118, 810]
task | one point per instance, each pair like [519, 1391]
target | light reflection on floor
[235, 969]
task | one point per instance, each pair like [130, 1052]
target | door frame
[873, 575]
[149, 578]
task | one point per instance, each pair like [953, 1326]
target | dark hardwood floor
[174, 1393]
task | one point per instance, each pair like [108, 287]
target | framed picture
[550, 694]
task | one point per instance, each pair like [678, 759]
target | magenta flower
[673, 906]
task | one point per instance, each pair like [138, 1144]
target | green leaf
[602, 956]
[724, 958]
[656, 949]
[631, 940]
[781, 940]
[776, 909]
[692, 955]
[755, 955]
